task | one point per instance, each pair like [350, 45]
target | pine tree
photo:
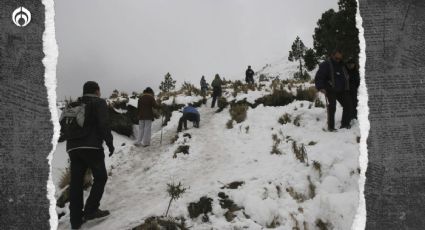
[168, 84]
[297, 53]
[310, 59]
[338, 29]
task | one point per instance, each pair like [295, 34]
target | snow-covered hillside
[256, 164]
[282, 68]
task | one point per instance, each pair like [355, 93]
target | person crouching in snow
[145, 107]
[190, 113]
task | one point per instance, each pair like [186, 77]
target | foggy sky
[131, 44]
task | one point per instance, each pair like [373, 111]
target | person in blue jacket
[333, 80]
[190, 113]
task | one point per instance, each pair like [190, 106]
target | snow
[133, 102]
[282, 68]
[251, 96]
[182, 99]
[136, 188]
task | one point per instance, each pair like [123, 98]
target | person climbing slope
[249, 75]
[190, 113]
[85, 126]
[204, 86]
[216, 84]
[145, 107]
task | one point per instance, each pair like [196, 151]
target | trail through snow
[136, 187]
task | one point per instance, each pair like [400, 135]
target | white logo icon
[21, 17]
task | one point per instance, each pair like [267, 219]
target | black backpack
[72, 121]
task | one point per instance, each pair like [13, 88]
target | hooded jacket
[145, 107]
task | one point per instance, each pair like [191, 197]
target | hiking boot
[96, 214]
[78, 226]
[345, 127]
[331, 129]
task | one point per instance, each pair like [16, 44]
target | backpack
[72, 121]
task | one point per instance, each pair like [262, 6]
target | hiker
[249, 75]
[332, 79]
[216, 84]
[145, 107]
[204, 86]
[86, 152]
[190, 113]
[353, 71]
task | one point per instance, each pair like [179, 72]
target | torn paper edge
[363, 114]
[50, 50]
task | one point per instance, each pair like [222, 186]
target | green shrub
[318, 103]
[299, 197]
[120, 123]
[300, 152]
[285, 119]
[317, 166]
[321, 225]
[189, 89]
[297, 120]
[275, 147]
[203, 206]
[311, 188]
[277, 98]
[229, 124]
[181, 149]
[222, 103]
[302, 77]
[238, 112]
[308, 94]
[175, 191]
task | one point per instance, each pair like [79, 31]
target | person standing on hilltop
[216, 84]
[249, 75]
[145, 107]
[333, 80]
[204, 86]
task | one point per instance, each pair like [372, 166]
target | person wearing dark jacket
[353, 71]
[249, 75]
[332, 79]
[145, 107]
[216, 84]
[87, 153]
[190, 113]
[204, 85]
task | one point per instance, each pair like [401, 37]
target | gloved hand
[111, 150]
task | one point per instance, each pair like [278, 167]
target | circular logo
[21, 17]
